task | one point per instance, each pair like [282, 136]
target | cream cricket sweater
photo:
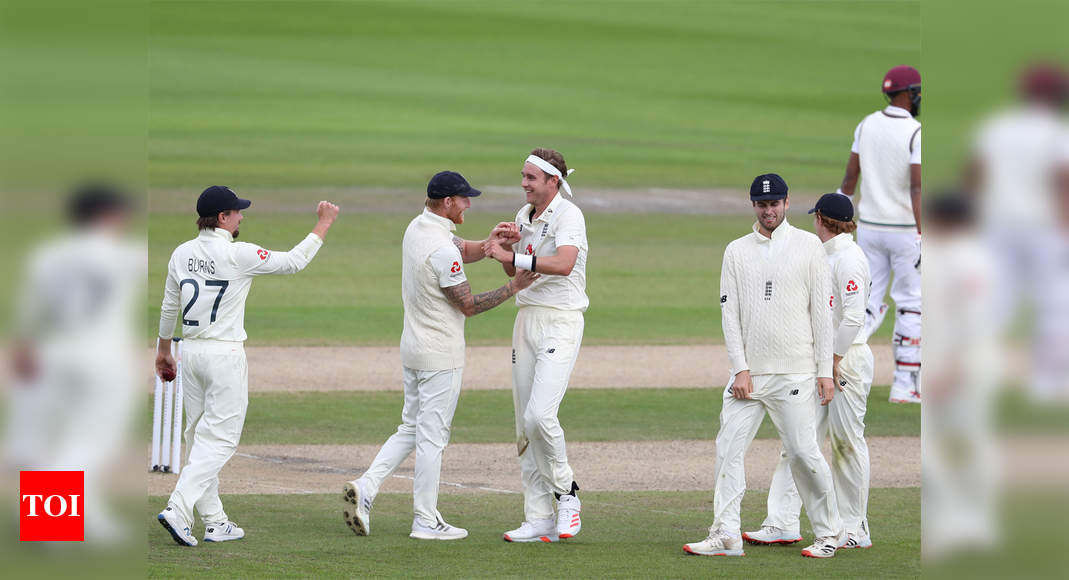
[775, 296]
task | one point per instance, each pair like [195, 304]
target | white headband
[548, 168]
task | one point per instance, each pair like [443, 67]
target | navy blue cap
[219, 198]
[835, 206]
[768, 187]
[449, 183]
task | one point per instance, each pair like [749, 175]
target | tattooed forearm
[460, 296]
[459, 243]
[488, 300]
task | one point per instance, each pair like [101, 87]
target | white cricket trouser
[215, 389]
[791, 402]
[426, 419]
[545, 344]
[844, 419]
[897, 251]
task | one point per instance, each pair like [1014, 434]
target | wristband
[534, 262]
[839, 190]
[523, 261]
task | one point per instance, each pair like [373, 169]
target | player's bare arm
[327, 212]
[853, 171]
[470, 251]
[460, 295]
[559, 265]
[915, 192]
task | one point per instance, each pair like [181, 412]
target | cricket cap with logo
[768, 187]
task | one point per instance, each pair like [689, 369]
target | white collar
[547, 214]
[439, 220]
[898, 112]
[218, 233]
[837, 243]
[777, 233]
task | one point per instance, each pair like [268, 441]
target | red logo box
[51, 506]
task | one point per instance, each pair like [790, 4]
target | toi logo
[51, 506]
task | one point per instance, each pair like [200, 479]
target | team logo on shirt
[530, 250]
[851, 287]
[831, 301]
[262, 253]
[455, 268]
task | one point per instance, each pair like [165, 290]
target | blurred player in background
[208, 281]
[1020, 173]
[437, 298]
[886, 155]
[75, 350]
[844, 418]
[960, 466]
[548, 237]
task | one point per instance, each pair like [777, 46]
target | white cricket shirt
[851, 284]
[1019, 153]
[887, 143]
[561, 224]
[433, 335]
[209, 277]
[774, 299]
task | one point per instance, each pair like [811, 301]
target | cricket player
[437, 298]
[774, 291]
[886, 153]
[208, 280]
[548, 237]
[844, 416]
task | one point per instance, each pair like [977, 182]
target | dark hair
[210, 222]
[552, 157]
[835, 226]
[91, 201]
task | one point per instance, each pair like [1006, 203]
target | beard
[235, 235]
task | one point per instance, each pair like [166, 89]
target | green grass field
[625, 535]
[486, 416]
[637, 94]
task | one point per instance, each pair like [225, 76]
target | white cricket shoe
[222, 532]
[356, 507]
[771, 535]
[823, 547]
[851, 541]
[439, 530]
[719, 543]
[179, 529]
[536, 531]
[568, 522]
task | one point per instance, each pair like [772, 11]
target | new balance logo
[794, 392]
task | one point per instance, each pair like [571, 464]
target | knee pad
[907, 340]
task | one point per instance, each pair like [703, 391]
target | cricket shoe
[439, 530]
[356, 506]
[180, 531]
[851, 541]
[771, 535]
[568, 522]
[536, 531]
[719, 543]
[823, 547]
[222, 532]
